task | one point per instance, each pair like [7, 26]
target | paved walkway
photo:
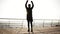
[45, 30]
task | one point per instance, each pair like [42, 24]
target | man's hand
[32, 4]
[27, 0]
[31, 1]
[26, 4]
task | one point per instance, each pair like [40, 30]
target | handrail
[25, 19]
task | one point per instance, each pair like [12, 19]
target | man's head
[29, 5]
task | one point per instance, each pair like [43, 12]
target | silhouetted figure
[29, 15]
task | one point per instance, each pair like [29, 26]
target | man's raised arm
[32, 4]
[26, 4]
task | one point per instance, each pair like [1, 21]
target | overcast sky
[43, 9]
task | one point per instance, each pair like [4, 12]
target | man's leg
[31, 27]
[28, 27]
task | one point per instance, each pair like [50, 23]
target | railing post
[22, 24]
[58, 22]
[9, 23]
[43, 23]
[51, 23]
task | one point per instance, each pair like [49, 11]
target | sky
[43, 9]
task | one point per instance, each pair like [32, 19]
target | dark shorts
[29, 18]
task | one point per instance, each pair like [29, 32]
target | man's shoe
[31, 30]
[28, 30]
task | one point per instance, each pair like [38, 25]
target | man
[29, 15]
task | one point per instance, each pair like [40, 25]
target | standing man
[29, 15]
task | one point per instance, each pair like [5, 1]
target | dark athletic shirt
[29, 14]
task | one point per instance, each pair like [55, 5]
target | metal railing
[14, 22]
